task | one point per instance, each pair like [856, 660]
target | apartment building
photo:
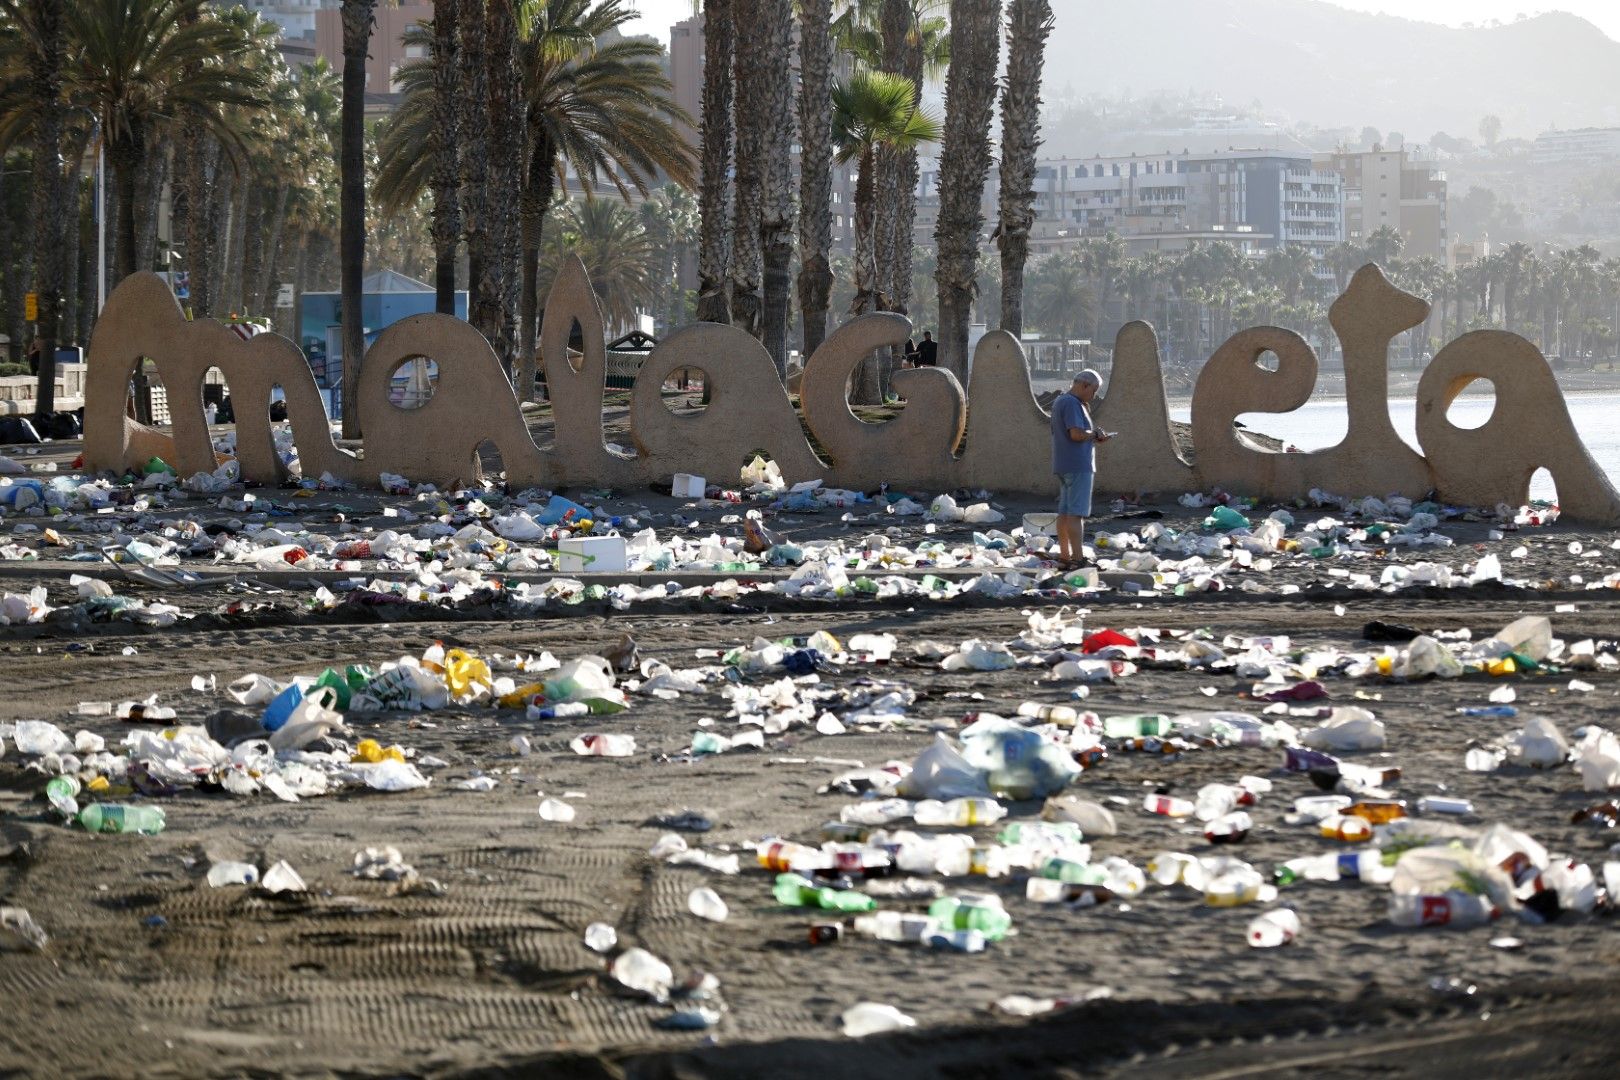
[1255, 199]
[1579, 146]
[686, 74]
[387, 51]
[1397, 188]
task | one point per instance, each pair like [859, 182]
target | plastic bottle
[1215, 800]
[1450, 908]
[1052, 834]
[853, 859]
[1046, 891]
[1317, 807]
[1229, 828]
[958, 812]
[1167, 806]
[783, 855]
[563, 710]
[964, 941]
[876, 811]
[1491, 712]
[1436, 804]
[1128, 727]
[1334, 866]
[1276, 927]
[139, 712]
[1377, 811]
[792, 890]
[1093, 818]
[972, 911]
[1233, 887]
[116, 818]
[598, 745]
[1061, 869]
[1347, 827]
[1062, 715]
[1301, 759]
[893, 926]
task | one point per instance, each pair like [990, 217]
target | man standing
[1074, 463]
[928, 351]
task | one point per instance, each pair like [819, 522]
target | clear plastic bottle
[786, 855]
[1215, 800]
[1041, 833]
[116, 818]
[1093, 818]
[1317, 807]
[597, 745]
[1061, 715]
[1167, 806]
[877, 811]
[1229, 828]
[707, 904]
[871, 1018]
[1437, 804]
[1046, 891]
[933, 813]
[964, 941]
[1061, 869]
[1347, 827]
[1128, 727]
[1276, 927]
[140, 712]
[1335, 866]
[1450, 908]
[893, 926]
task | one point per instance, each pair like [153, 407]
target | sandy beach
[149, 971]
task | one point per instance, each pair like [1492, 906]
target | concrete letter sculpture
[1007, 443]
[1529, 429]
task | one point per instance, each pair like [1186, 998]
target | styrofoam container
[1040, 524]
[687, 486]
[591, 554]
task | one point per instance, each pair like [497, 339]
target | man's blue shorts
[1074, 493]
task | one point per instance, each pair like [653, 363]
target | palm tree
[750, 64]
[497, 317]
[873, 113]
[1516, 258]
[714, 252]
[970, 91]
[1060, 300]
[1030, 23]
[815, 170]
[358, 17]
[774, 19]
[1102, 258]
[446, 166]
[618, 254]
[139, 65]
[38, 25]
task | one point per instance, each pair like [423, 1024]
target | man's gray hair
[1088, 377]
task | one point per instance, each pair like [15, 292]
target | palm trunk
[264, 288]
[199, 150]
[815, 171]
[776, 203]
[252, 262]
[1030, 23]
[753, 140]
[867, 388]
[243, 203]
[714, 199]
[358, 16]
[45, 82]
[125, 154]
[220, 206]
[539, 188]
[964, 162]
[446, 176]
[473, 97]
[154, 173]
[908, 48]
[506, 131]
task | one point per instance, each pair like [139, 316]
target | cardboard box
[591, 555]
[687, 486]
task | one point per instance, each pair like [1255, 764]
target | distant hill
[1327, 66]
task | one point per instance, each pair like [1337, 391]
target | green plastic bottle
[794, 891]
[959, 913]
[116, 818]
[1129, 727]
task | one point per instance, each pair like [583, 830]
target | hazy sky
[658, 15]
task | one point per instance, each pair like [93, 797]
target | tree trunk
[244, 203]
[221, 204]
[358, 16]
[45, 85]
[264, 288]
[1030, 23]
[815, 171]
[903, 54]
[154, 173]
[473, 132]
[776, 203]
[199, 151]
[539, 188]
[753, 140]
[252, 261]
[714, 198]
[964, 160]
[866, 386]
[506, 138]
[446, 169]
[125, 152]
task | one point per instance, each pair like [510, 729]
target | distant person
[1074, 439]
[928, 351]
[909, 357]
[33, 357]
